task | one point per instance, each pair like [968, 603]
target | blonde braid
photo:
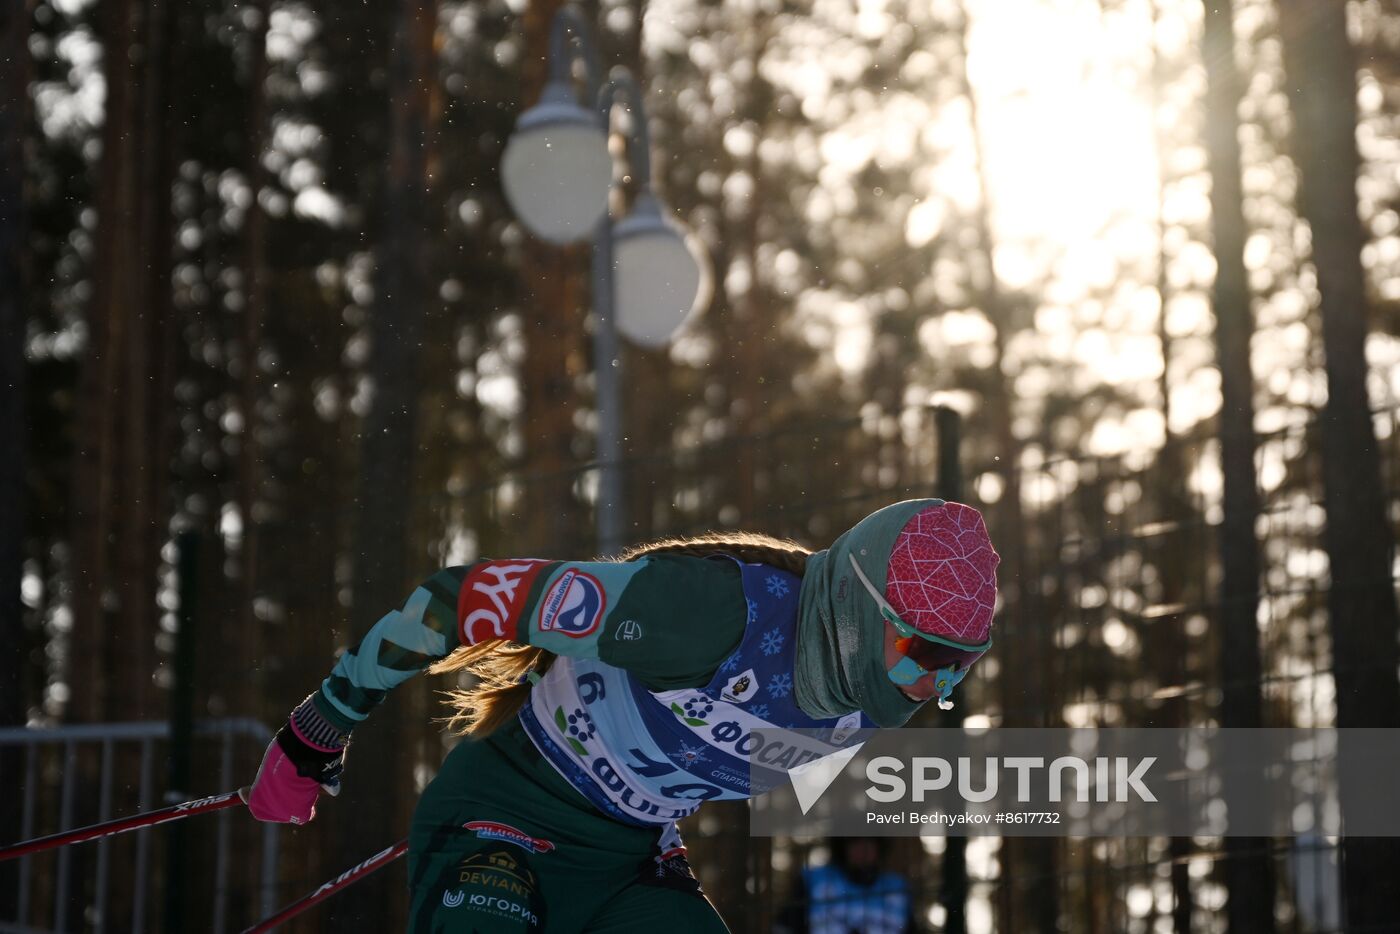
[750, 547]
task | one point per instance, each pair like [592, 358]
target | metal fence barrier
[111, 740]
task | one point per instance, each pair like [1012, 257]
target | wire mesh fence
[215, 873]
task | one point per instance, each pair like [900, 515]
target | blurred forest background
[273, 347]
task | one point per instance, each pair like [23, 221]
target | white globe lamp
[659, 274]
[556, 169]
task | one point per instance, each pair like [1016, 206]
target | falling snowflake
[688, 755]
[581, 725]
[772, 642]
[777, 586]
[780, 685]
[731, 664]
[753, 609]
[760, 711]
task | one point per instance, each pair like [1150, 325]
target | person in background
[850, 894]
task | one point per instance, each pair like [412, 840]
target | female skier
[617, 696]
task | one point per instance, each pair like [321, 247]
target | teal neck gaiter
[840, 632]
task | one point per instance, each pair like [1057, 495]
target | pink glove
[294, 771]
[279, 794]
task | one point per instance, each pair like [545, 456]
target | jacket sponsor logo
[845, 727]
[573, 605]
[494, 830]
[492, 597]
[497, 883]
[505, 908]
[740, 688]
[628, 631]
[497, 870]
[783, 749]
[453, 899]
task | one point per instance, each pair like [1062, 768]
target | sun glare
[1067, 129]
[1070, 151]
[1070, 144]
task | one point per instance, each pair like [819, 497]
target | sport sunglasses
[923, 653]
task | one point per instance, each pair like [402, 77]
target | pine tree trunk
[1247, 866]
[92, 512]
[1165, 638]
[384, 791]
[255, 297]
[120, 501]
[121, 479]
[14, 125]
[1027, 893]
[149, 360]
[1321, 68]
[554, 352]
[14, 296]
[752, 319]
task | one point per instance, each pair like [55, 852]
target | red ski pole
[346, 879]
[123, 824]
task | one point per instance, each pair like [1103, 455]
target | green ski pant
[500, 842]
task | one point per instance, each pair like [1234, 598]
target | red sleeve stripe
[492, 600]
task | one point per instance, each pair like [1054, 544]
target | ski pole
[346, 879]
[122, 824]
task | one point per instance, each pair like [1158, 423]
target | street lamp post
[610, 508]
[557, 174]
